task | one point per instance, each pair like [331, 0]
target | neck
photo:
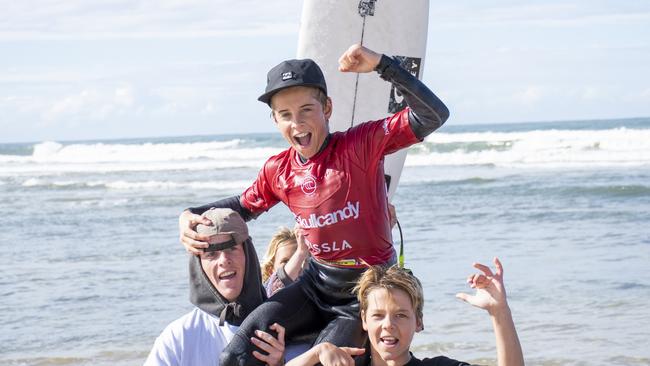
[322, 147]
[377, 360]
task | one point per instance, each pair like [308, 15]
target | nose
[296, 121]
[388, 322]
[223, 258]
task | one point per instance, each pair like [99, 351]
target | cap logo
[288, 75]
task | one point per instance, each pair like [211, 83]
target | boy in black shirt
[391, 302]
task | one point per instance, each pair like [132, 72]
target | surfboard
[392, 27]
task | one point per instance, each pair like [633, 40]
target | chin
[392, 355]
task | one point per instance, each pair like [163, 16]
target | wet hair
[282, 238]
[390, 278]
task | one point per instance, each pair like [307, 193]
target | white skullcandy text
[351, 210]
[334, 246]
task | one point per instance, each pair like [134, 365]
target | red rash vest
[339, 195]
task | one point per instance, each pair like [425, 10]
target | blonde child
[284, 260]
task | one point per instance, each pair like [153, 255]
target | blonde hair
[390, 278]
[282, 238]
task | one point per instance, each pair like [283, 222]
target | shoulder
[357, 135]
[281, 156]
[190, 322]
[436, 361]
[189, 339]
[276, 162]
[168, 347]
[365, 126]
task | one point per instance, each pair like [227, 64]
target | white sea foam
[52, 152]
[136, 185]
[532, 149]
[55, 158]
[536, 149]
[175, 185]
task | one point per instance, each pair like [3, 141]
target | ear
[363, 320]
[419, 326]
[328, 108]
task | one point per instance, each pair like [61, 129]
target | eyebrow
[396, 310]
[304, 105]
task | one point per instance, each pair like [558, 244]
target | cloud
[124, 96]
[529, 96]
[591, 93]
[90, 104]
[555, 15]
[166, 19]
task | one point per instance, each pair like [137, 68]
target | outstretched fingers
[463, 296]
[483, 268]
[479, 281]
[498, 266]
[353, 351]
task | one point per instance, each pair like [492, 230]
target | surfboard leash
[400, 259]
[356, 82]
[365, 8]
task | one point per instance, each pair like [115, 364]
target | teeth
[389, 340]
[227, 274]
[301, 135]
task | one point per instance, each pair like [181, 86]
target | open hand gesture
[490, 291]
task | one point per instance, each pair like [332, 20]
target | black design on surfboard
[396, 100]
[367, 7]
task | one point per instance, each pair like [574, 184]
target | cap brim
[266, 97]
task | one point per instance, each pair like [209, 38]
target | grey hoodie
[206, 297]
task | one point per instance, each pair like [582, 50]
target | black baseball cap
[290, 73]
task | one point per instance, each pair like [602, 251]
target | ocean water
[91, 269]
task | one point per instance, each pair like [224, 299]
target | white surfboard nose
[393, 27]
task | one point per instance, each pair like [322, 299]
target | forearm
[427, 112]
[509, 351]
[308, 358]
[232, 203]
[293, 268]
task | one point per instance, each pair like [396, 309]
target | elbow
[443, 115]
[438, 118]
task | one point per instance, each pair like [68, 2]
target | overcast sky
[80, 69]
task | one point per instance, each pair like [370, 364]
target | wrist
[382, 64]
[321, 349]
[500, 313]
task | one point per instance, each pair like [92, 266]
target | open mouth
[303, 139]
[389, 341]
[227, 275]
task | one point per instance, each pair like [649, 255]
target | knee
[228, 358]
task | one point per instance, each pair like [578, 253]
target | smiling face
[391, 322]
[284, 253]
[225, 268]
[302, 118]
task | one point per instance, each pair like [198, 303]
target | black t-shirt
[436, 361]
